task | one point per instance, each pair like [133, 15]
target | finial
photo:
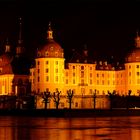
[20, 30]
[49, 32]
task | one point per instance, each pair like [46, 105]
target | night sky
[107, 27]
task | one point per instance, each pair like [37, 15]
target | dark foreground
[71, 113]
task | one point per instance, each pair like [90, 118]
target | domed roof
[51, 48]
[134, 55]
[5, 64]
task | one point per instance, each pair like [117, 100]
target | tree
[94, 99]
[46, 98]
[56, 97]
[111, 97]
[70, 94]
[128, 99]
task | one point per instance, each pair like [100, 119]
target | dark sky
[108, 27]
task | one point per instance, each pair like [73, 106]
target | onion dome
[134, 55]
[51, 49]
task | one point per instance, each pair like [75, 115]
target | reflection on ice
[104, 128]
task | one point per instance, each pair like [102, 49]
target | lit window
[90, 74]
[47, 70]
[56, 53]
[56, 62]
[90, 81]
[82, 74]
[46, 53]
[102, 75]
[66, 81]
[38, 79]
[76, 104]
[38, 70]
[102, 82]
[56, 78]
[47, 62]
[56, 70]
[0, 70]
[47, 78]
[66, 73]
[82, 67]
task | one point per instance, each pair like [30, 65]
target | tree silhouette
[111, 97]
[56, 97]
[94, 99]
[128, 99]
[46, 98]
[70, 94]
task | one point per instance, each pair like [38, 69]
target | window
[90, 81]
[108, 82]
[102, 82]
[90, 91]
[102, 75]
[0, 70]
[56, 62]
[66, 81]
[47, 70]
[129, 66]
[38, 70]
[138, 73]
[129, 73]
[74, 74]
[73, 67]
[97, 82]
[82, 74]
[38, 63]
[73, 81]
[137, 66]
[47, 78]
[56, 70]
[90, 68]
[97, 74]
[76, 104]
[66, 73]
[82, 81]
[47, 62]
[82, 67]
[56, 78]
[46, 53]
[38, 79]
[90, 74]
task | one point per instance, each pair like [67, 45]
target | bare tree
[94, 99]
[70, 94]
[128, 99]
[111, 96]
[46, 98]
[56, 97]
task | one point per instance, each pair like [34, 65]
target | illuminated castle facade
[81, 74]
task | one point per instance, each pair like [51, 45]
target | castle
[81, 74]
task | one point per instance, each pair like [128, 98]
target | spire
[49, 32]
[19, 48]
[7, 46]
[137, 40]
[20, 31]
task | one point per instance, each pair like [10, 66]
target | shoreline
[70, 113]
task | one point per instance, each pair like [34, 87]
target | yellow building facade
[83, 76]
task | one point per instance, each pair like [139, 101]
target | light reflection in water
[41, 128]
